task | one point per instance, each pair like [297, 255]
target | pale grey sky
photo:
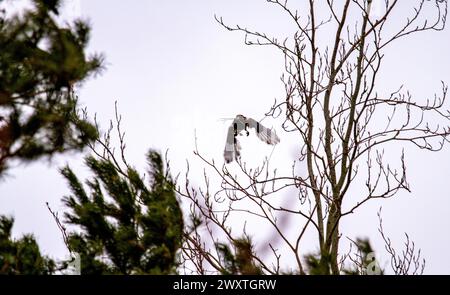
[174, 70]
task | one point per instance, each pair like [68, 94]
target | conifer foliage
[40, 62]
[129, 225]
[21, 256]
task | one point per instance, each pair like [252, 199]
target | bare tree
[332, 103]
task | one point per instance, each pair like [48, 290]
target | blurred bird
[232, 145]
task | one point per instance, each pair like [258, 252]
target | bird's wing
[265, 134]
[232, 147]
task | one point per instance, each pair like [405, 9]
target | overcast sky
[175, 72]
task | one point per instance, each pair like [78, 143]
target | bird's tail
[232, 152]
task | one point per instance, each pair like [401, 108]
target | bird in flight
[240, 123]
